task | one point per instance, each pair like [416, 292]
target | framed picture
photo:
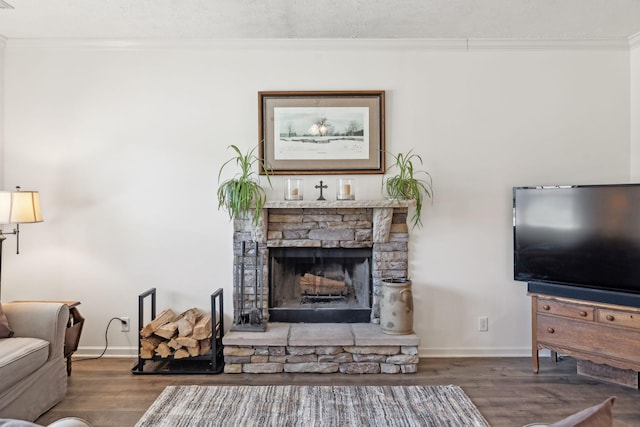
[336, 132]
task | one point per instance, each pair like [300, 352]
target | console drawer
[591, 337]
[625, 319]
[565, 309]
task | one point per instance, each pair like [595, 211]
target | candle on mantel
[293, 189]
[345, 189]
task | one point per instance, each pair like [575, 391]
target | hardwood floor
[505, 390]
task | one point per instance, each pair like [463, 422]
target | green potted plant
[238, 195]
[409, 183]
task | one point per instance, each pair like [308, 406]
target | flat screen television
[579, 241]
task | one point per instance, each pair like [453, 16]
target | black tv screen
[582, 236]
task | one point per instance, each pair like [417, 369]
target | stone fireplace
[316, 282]
[356, 242]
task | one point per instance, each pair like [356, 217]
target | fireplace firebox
[319, 285]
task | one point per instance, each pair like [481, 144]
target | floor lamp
[17, 207]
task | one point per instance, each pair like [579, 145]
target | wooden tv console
[594, 333]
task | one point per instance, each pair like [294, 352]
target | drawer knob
[610, 317]
[550, 330]
[583, 314]
[546, 307]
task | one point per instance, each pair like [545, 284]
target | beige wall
[124, 141]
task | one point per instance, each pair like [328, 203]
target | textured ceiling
[237, 19]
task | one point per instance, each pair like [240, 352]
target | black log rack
[210, 363]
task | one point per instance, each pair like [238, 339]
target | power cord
[106, 340]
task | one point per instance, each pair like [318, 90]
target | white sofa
[33, 376]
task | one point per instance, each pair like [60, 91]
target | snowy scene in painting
[310, 133]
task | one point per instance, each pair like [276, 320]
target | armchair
[33, 374]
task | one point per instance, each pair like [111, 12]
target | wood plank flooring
[505, 390]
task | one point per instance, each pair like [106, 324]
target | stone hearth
[348, 348]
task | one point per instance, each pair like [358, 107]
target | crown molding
[339, 44]
[242, 44]
[548, 44]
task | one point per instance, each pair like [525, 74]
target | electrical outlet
[483, 323]
[124, 324]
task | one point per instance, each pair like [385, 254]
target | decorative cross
[321, 187]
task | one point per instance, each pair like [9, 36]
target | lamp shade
[19, 207]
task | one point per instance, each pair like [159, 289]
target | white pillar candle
[293, 189]
[345, 189]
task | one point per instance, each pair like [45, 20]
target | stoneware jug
[396, 307]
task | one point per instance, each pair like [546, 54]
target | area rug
[290, 405]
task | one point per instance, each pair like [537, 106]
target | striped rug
[309, 406]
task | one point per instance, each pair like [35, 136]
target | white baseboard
[475, 352]
[90, 352]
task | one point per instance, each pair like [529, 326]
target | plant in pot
[243, 192]
[409, 183]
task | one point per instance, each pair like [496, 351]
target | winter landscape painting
[332, 133]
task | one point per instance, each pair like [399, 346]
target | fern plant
[238, 195]
[409, 183]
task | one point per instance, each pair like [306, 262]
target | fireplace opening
[320, 285]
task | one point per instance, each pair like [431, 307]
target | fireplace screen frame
[354, 307]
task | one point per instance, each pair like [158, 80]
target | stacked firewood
[186, 335]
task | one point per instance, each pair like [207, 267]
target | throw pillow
[5, 329]
[594, 416]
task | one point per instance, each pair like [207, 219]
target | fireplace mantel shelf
[341, 204]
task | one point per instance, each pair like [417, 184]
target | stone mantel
[382, 213]
[339, 204]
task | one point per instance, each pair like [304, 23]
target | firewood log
[146, 353]
[186, 320]
[318, 285]
[164, 350]
[186, 341]
[185, 327]
[181, 353]
[150, 343]
[192, 315]
[205, 346]
[202, 329]
[174, 344]
[167, 330]
[194, 351]
[165, 317]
